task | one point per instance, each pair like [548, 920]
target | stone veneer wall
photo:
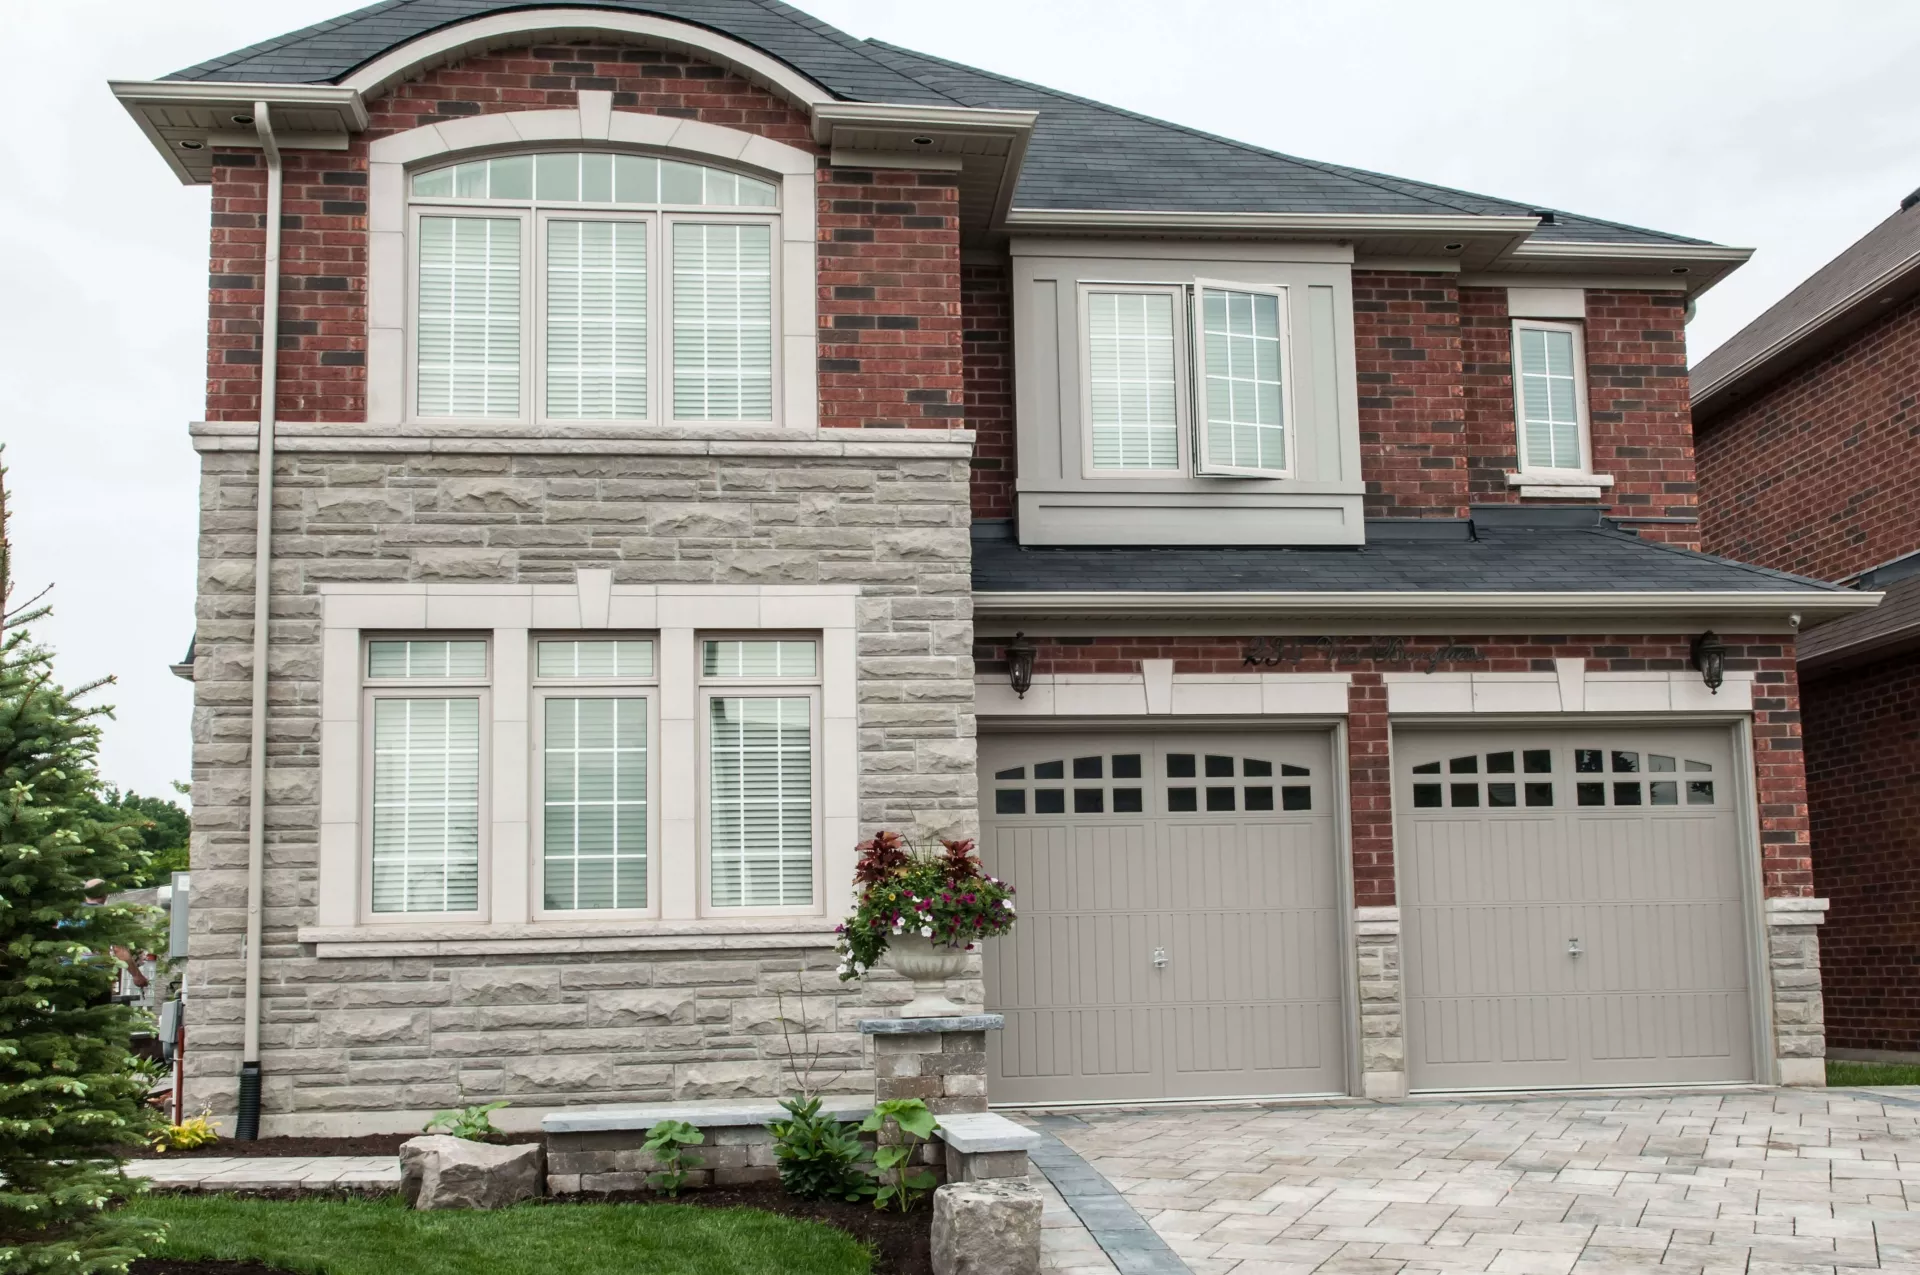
[685, 1018]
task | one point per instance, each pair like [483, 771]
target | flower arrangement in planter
[924, 911]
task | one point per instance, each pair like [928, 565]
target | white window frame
[534, 216]
[1581, 406]
[712, 687]
[1204, 466]
[549, 688]
[1182, 365]
[436, 688]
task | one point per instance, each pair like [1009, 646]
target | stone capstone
[986, 1228]
[440, 1172]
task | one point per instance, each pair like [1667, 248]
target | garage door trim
[1334, 730]
[1746, 822]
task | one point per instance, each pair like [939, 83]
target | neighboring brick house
[685, 420]
[1809, 452]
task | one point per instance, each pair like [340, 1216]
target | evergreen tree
[69, 1098]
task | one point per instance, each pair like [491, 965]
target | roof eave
[1694, 267]
[186, 119]
[1472, 240]
[1814, 337]
[1783, 608]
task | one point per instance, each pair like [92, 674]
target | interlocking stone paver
[1755, 1181]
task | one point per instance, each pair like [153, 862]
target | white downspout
[247, 1123]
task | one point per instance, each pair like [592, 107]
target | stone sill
[1556, 478]
[746, 934]
[493, 438]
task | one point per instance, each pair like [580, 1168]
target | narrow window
[1133, 392]
[1239, 384]
[469, 317]
[425, 816]
[722, 322]
[597, 320]
[760, 804]
[595, 818]
[1549, 388]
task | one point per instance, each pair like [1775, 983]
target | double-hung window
[425, 700]
[760, 706]
[595, 720]
[590, 286]
[1550, 397]
[1186, 378]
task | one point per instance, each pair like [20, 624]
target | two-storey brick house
[686, 422]
[1810, 462]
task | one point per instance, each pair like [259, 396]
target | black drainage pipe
[246, 1126]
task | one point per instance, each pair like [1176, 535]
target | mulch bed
[368, 1144]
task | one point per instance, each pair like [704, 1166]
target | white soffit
[185, 119]
[986, 147]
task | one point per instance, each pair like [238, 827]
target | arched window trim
[594, 126]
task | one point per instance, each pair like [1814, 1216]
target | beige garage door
[1177, 934]
[1573, 909]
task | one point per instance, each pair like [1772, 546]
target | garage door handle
[1159, 958]
[1573, 947]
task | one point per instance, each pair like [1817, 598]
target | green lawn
[1855, 1074]
[384, 1237]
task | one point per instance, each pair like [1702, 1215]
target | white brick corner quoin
[509, 615]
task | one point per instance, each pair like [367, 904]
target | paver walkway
[1761, 1182]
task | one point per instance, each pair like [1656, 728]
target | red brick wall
[986, 308]
[1779, 776]
[1863, 784]
[1820, 472]
[1412, 410]
[1637, 395]
[1486, 343]
[889, 245]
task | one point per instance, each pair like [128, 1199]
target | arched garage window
[589, 286]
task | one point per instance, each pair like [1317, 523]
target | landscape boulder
[439, 1172]
[990, 1227]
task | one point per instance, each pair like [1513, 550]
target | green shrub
[475, 1124]
[668, 1142]
[903, 1126]
[820, 1157]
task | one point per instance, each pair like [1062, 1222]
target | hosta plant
[944, 896]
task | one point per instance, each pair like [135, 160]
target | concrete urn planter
[929, 965]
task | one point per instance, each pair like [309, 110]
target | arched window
[592, 286]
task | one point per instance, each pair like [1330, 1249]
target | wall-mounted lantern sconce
[1710, 657]
[1020, 655]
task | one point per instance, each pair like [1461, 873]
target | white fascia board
[1346, 224]
[1678, 253]
[1384, 603]
[931, 119]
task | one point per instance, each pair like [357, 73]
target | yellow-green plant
[198, 1131]
[667, 1142]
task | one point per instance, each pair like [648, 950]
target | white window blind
[595, 829]
[760, 657]
[1134, 391]
[1243, 426]
[597, 320]
[1549, 405]
[760, 811]
[469, 317]
[595, 658]
[426, 805]
[722, 322]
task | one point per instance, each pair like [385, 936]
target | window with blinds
[469, 317]
[722, 322]
[1239, 385]
[596, 335]
[650, 296]
[594, 823]
[760, 801]
[426, 804]
[1133, 391]
[1547, 396]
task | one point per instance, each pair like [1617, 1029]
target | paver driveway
[1764, 1182]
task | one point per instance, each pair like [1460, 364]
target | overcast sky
[1790, 128]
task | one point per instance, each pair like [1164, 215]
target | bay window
[590, 286]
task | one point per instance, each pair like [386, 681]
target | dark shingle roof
[1085, 155]
[1508, 559]
[1837, 299]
